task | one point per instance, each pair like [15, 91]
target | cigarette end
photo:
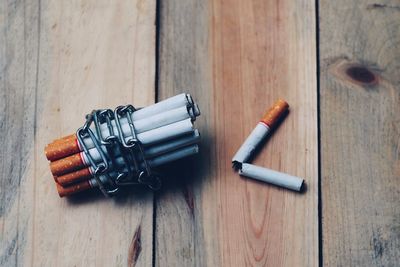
[236, 165]
[72, 189]
[74, 177]
[196, 110]
[275, 113]
[66, 165]
[61, 148]
[303, 187]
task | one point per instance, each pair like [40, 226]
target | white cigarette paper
[162, 106]
[250, 144]
[157, 161]
[157, 135]
[151, 152]
[163, 113]
[172, 145]
[175, 155]
[272, 177]
[152, 122]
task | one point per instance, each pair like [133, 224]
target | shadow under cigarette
[125, 195]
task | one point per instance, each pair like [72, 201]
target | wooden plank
[360, 124]
[236, 58]
[60, 60]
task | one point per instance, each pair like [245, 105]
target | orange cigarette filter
[72, 189]
[62, 148]
[73, 177]
[67, 165]
[275, 113]
[65, 138]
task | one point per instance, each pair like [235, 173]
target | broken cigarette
[268, 121]
[272, 177]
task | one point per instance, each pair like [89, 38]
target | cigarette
[168, 146]
[164, 105]
[272, 177]
[80, 160]
[60, 149]
[152, 122]
[64, 139]
[72, 189]
[173, 156]
[158, 161]
[155, 162]
[161, 159]
[156, 135]
[162, 113]
[66, 165]
[267, 122]
[73, 177]
[167, 132]
[151, 152]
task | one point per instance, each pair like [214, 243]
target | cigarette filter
[267, 122]
[121, 147]
[272, 177]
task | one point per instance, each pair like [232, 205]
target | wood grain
[237, 58]
[60, 60]
[360, 128]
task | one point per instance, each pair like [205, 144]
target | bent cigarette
[267, 122]
[272, 177]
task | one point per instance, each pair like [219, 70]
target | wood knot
[362, 75]
[355, 73]
[136, 247]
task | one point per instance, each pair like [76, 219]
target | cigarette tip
[236, 165]
[196, 110]
[303, 187]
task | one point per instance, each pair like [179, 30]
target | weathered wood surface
[58, 61]
[360, 129]
[236, 58]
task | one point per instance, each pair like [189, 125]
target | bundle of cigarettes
[121, 147]
[269, 121]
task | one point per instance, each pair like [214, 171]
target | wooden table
[337, 63]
